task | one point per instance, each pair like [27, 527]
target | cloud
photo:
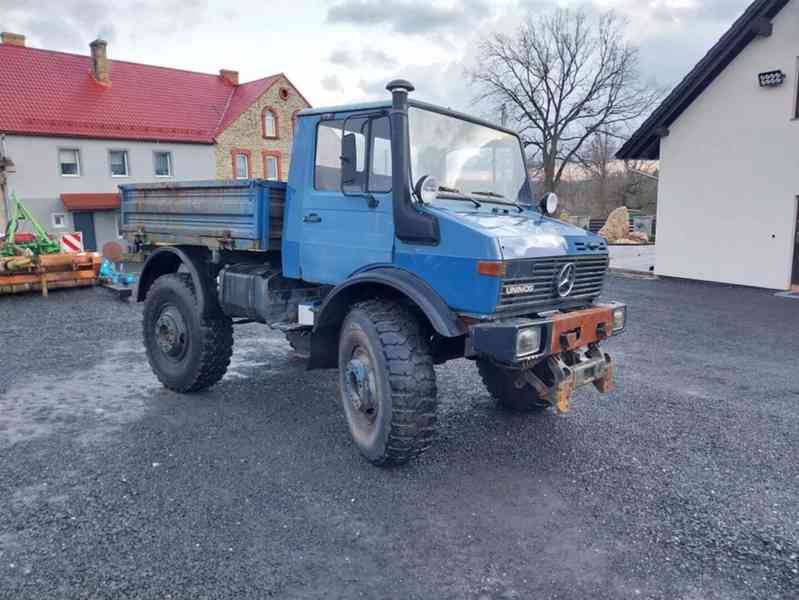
[444, 84]
[332, 83]
[409, 16]
[378, 58]
[71, 24]
[369, 56]
[342, 58]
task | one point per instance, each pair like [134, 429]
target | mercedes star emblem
[565, 281]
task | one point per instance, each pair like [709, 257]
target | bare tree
[597, 158]
[563, 78]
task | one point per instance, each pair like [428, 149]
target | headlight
[549, 204]
[528, 341]
[619, 319]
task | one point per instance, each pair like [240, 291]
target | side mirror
[349, 160]
[549, 204]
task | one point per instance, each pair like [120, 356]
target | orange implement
[49, 271]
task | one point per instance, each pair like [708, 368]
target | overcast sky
[340, 50]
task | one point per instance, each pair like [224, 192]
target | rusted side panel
[241, 215]
[574, 330]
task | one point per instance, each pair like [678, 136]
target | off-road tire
[209, 343]
[393, 337]
[501, 384]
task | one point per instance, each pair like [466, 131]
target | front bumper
[560, 332]
[567, 357]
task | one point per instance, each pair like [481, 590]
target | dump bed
[240, 215]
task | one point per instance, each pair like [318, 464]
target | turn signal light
[491, 268]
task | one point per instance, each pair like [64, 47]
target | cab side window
[327, 171]
[380, 148]
[329, 138]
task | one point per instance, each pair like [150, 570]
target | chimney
[12, 39]
[232, 77]
[100, 67]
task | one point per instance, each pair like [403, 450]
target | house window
[59, 220]
[272, 166]
[241, 164]
[119, 163]
[270, 123]
[163, 164]
[69, 162]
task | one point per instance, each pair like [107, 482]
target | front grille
[540, 273]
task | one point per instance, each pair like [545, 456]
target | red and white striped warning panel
[72, 242]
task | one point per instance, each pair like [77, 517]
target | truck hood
[531, 235]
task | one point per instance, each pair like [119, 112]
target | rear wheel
[187, 352]
[508, 389]
[387, 382]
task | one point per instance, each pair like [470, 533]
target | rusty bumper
[567, 356]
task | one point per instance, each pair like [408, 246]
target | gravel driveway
[683, 483]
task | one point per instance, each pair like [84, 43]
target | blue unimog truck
[407, 236]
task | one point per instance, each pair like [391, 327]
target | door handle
[312, 218]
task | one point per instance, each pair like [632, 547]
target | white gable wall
[730, 172]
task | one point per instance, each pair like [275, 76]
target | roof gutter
[755, 22]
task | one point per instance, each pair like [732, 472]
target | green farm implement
[17, 243]
[33, 261]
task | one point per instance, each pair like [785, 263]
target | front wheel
[508, 389]
[187, 352]
[387, 382]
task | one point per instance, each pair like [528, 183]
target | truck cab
[409, 236]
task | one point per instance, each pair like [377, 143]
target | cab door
[346, 229]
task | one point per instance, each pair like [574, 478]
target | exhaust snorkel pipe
[411, 225]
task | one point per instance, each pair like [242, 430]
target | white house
[727, 138]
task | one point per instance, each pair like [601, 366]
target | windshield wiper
[495, 195]
[455, 194]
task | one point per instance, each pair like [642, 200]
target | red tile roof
[54, 93]
[90, 201]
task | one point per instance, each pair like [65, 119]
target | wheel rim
[360, 391]
[171, 333]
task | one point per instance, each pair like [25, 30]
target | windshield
[467, 157]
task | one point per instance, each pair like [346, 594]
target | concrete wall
[38, 181]
[246, 133]
[730, 172]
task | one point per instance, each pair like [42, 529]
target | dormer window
[270, 123]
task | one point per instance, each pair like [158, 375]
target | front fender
[386, 281]
[444, 321]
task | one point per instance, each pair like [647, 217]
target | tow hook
[596, 368]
